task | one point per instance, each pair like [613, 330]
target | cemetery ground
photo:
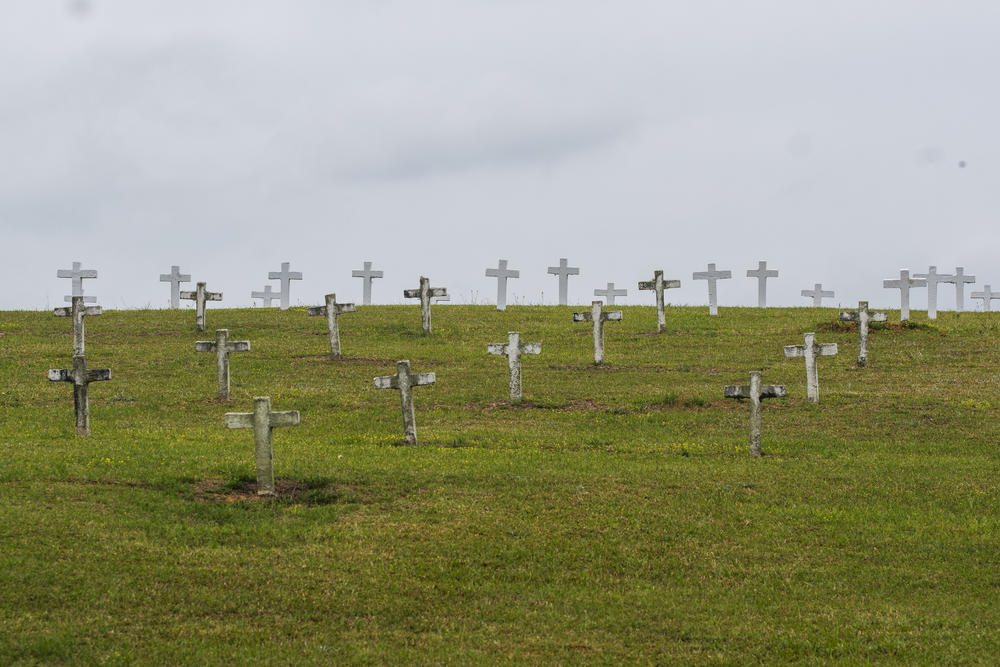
[615, 516]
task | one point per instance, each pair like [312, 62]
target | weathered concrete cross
[904, 284]
[222, 346]
[862, 317]
[404, 381]
[817, 294]
[986, 295]
[514, 348]
[77, 311]
[762, 274]
[564, 271]
[175, 278]
[598, 316]
[502, 273]
[366, 274]
[262, 420]
[933, 278]
[200, 296]
[81, 377]
[659, 285]
[332, 310]
[810, 351]
[609, 293]
[756, 392]
[285, 276]
[711, 275]
[424, 293]
[76, 276]
[959, 279]
[267, 296]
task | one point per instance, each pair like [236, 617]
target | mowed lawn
[614, 517]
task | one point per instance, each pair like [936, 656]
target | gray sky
[435, 137]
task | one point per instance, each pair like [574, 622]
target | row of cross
[904, 283]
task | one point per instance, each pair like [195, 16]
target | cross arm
[60, 375]
[531, 348]
[284, 418]
[213, 296]
[68, 273]
[826, 349]
[387, 382]
[795, 350]
[418, 379]
[496, 348]
[766, 391]
[204, 346]
[849, 316]
[437, 291]
[583, 317]
[68, 311]
[411, 293]
[187, 295]
[612, 315]
[98, 374]
[238, 346]
[316, 310]
[239, 420]
[345, 308]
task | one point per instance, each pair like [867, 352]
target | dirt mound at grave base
[295, 491]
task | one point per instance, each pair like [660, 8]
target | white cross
[904, 284]
[77, 311]
[711, 275]
[762, 274]
[267, 296]
[502, 273]
[564, 271]
[425, 293]
[959, 279]
[756, 392]
[81, 377]
[200, 296]
[285, 276]
[810, 351]
[222, 346]
[598, 316]
[76, 275]
[263, 420]
[862, 316]
[332, 310]
[514, 348]
[175, 278]
[986, 295]
[366, 274]
[609, 293]
[933, 278]
[659, 285]
[404, 380]
[817, 294]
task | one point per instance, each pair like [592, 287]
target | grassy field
[614, 517]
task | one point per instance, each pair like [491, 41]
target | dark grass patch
[309, 491]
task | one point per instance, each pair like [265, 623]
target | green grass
[614, 517]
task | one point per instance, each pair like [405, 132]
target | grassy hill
[615, 516]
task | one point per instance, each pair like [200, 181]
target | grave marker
[513, 349]
[502, 273]
[404, 381]
[285, 276]
[609, 293]
[332, 310]
[222, 346]
[175, 278]
[817, 294]
[659, 285]
[712, 276]
[959, 280]
[762, 274]
[267, 296]
[424, 293]
[933, 278]
[598, 316]
[756, 392]
[564, 271]
[904, 284]
[76, 276]
[986, 295]
[263, 420]
[810, 351]
[200, 296]
[77, 311]
[81, 377]
[366, 274]
[862, 317]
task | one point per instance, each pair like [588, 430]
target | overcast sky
[839, 141]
